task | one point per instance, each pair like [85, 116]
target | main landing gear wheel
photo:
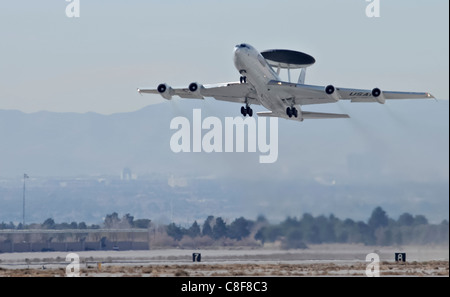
[246, 110]
[243, 79]
[292, 111]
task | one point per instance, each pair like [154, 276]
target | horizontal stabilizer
[322, 115]
[267, 114]
[304, 115]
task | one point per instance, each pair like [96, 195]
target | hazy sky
[96, 62]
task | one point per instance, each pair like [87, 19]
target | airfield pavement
[317, 260]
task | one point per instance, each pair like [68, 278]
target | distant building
[127, 175]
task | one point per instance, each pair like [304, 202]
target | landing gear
[243, 78]
[292, 111]
[246, 110]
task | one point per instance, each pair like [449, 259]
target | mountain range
[394, 154]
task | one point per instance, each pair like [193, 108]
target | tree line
[296, 232]
[293, 232]
[111, 221]
[379, 230]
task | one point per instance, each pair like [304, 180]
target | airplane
[260, 84]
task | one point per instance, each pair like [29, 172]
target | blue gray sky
[94, 63]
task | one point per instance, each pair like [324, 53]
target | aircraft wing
[182, 93]
[231, 92]
[355, 95]
[301, 94]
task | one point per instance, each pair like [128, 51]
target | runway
[319, 260]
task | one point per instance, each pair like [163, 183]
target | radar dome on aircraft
[288, 59]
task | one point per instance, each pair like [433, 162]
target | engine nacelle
[331, 92]
[195, 89]
[378, 95]
[165, 91]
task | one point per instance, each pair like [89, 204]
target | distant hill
[395, 153]
[400, 140]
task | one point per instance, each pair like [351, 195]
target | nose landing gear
[243, 78]
[292, 111]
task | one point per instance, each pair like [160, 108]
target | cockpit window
[243, 45]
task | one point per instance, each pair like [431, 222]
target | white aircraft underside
[260, 84]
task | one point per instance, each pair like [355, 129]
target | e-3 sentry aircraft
[260, 84]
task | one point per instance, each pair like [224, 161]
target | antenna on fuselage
[302, 77]
[289, 73]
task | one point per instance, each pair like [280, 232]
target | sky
[94, 63]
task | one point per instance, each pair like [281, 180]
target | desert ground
[319, 260]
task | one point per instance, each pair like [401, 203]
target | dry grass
[429, 268]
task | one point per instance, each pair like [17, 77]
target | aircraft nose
[240, 48]
[237, 50]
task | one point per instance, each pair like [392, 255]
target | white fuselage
[250, 63]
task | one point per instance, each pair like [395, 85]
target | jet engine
[331, 92]
[378, 95]
[195, 88]
[165, 91]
